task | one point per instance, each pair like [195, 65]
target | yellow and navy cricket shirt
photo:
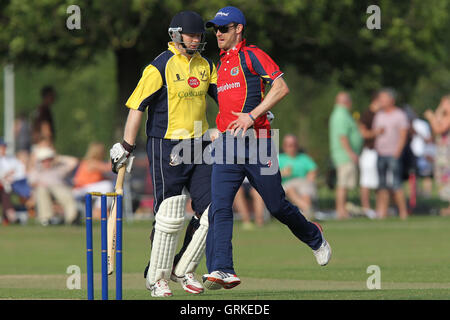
[173, 89]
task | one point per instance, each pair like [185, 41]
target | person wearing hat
[173, 90]
[47, 179]
[243, 71]
[8, 167]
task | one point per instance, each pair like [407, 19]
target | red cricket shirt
[242, 74]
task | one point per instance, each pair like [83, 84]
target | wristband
[128, 147]
[251, 117]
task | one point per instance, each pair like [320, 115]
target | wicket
[104, 249]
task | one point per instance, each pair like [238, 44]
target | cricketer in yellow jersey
[173, 90]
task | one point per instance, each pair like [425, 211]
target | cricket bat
[112, 221]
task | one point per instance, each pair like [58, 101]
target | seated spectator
[47, 179]
[8, 211]
[12, 180]
[298, 172]
[91, 175]
[440, 124]
[248, 200]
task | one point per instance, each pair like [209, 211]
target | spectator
[92, 175]
[22, 133]
[407, 159]
[393, 123]
[368, 178]
[43, 128]
[423, 149]
[440, 124]
[345, 144]
[8, 212]
[245, 207]
[12, 181]
[47, 180]
[298, 175]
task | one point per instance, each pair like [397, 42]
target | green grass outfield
[413, 255]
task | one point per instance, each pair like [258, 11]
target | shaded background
[322, 46]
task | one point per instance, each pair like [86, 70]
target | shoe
[56, 221]
[218, 280]
[371, 214]
[189, 283]
[320, 215]
[323, 254]
[354, 210]
[159, 289]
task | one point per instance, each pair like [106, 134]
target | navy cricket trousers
[226, 179]
[171, 173]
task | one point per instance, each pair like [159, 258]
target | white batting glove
[270, 116]
[129, 164]
[120, 157]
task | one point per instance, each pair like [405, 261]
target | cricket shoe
[217, 280]
[159, 289]
[188, 282]
[323, 254]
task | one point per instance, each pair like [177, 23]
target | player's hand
[270, 116]
[243, 122]
[214, 134]
[120, 157]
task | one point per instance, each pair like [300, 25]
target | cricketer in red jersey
[242, 73]
[244, 70]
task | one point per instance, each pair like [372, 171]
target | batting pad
[194, 252]
[169, 222]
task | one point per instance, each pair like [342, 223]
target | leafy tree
[319, 37]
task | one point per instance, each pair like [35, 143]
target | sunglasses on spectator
[223, 29]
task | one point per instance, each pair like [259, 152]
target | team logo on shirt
[234, 71]
[178, 78]
[191, 94]
[228, 86]
[193, 82]
[203, 76]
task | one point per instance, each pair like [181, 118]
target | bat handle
[119, 181]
